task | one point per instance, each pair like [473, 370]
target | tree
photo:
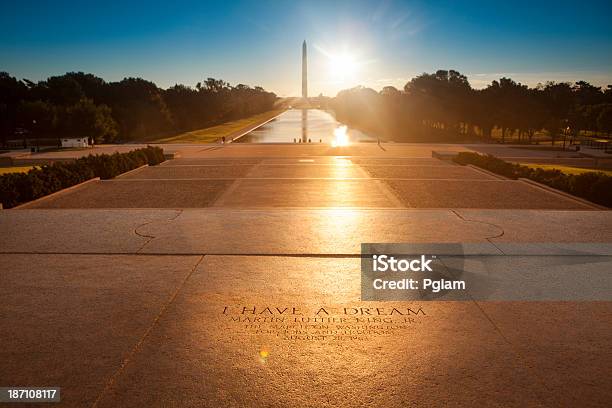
[443, 106]
[604, 120]
[439, 100]
[215, 85]
[85, 119]
[93, 87]
[138, 108]
[391, 92]
[59, 90]
[587, 94]
[12, 92]
[38, 117]
[125, 110]
[558, 98]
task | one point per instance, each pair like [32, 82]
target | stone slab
[545, 226]
[566, 343]
[552, 248]
[493, 194]
[400, 161]
[340, 171]
[302, 160]
[247, 193]
[369, 150]
[560, 277]
[290, 231]
[71, 321]
[447, 354]
[210, 162]
[77, 230]
[426, 172]
[140, 194]
[189, 172]
[325, 231]
[111, 309]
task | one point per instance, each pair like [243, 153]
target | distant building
[76, 142]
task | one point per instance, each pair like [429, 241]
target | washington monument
[304, 71]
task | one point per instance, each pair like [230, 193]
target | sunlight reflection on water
[340, 136]
[302, 126]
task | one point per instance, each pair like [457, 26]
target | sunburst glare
[340, 137]
[342, 66]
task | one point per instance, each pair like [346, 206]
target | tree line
[83, 105]
[444, 107]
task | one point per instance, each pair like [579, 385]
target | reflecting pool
[303, 125]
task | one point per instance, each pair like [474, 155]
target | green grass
[15, 169]
[565, 169]
[557, 148]
[212, 134]
[542, 137]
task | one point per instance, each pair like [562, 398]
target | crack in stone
[482, 222]
[519, 354]
[150, 238]
[136, 349]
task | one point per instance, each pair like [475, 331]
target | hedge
[18, 188]
[593, 186]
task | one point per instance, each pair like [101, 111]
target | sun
[343, 66]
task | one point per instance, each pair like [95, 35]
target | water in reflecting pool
[302, 125]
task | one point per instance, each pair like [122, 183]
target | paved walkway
[199, 282]
[307, 182]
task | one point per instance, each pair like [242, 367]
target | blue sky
[259, 42]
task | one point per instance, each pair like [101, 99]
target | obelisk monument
[304, 71]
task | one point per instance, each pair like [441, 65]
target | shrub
[593, 186]
[18, 188]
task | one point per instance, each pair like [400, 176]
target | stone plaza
[230, 276]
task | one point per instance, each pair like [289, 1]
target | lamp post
[37, 139]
